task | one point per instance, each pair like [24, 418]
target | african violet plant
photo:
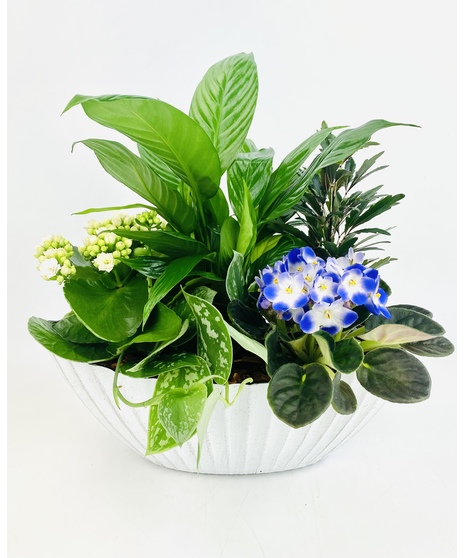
[197, 284]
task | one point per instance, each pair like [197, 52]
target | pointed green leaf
[44, 333]
[235, 278]
[247, 224]
[299, 396]
[214, 341]
[172, 276]
[162, 129]
[224, 104]
[247, 343]
[179, 411]
[394, 375]
[158, 439]
[133, 172]
[171, 244]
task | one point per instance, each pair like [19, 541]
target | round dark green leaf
[344, 401]
[436, 347]
[299, 396]
[394, 375]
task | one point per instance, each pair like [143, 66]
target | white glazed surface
[245, 438]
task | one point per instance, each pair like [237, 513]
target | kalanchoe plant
[265, 268]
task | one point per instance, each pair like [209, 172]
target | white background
[73, 489]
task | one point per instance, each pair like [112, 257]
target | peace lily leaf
[248, 320]
[404, 317]
[224, 114]
[111, 314]
[43, 332]
[235, 278]
[344, 401]
[286, 172]
[114, 208]
[172, 244]
[158, 439]
[394, 375]
[71, 329]
[172, 276]
[436, 347]
[264, 246]
[135, 173]
[180, 410]
[160, 168]
[214, 341]
[218, 208]
[149, 266]
[247, 224]
[228, 241]
[163, 129]
[255, 170]
[247, 343]
[297, 395]
[345, 355]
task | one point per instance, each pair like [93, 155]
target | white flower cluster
[106, 248]
[54, 259]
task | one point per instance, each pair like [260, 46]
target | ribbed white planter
[245, 438]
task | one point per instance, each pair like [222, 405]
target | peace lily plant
[265, 276]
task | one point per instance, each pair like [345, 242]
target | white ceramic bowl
[245, 438]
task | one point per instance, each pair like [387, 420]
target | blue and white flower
[325, 288]
[356, 286]
[328, 317]
[376, 303]
[288, 293]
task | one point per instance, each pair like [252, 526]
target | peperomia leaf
[297, 395]
[224, 104]
[135, 173]
[344, 401]
[44, 333]
[394, 375]
[162, 129]
[213, 340]
[113, 314]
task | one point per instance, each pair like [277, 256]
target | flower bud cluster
[54, 259]
[106, 248]
[318, 294]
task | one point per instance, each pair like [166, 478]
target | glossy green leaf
[298, 396]
[414, 308]
[255, 170]
[111, 314]
[44, 333]
[171, 244]
[176, 271]
[344, 401]
[235, 278]
[228, 241]
[162, 129]
[247, 343]
[247, 224]
[135, 173]
[71, 329]
[172, 363]
[213, 340]
[160, 168]
[247, 319]
[394, 375]
[224, 104]
[277, 355]
[150, 266]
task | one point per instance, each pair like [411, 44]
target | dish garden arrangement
[227, 270]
